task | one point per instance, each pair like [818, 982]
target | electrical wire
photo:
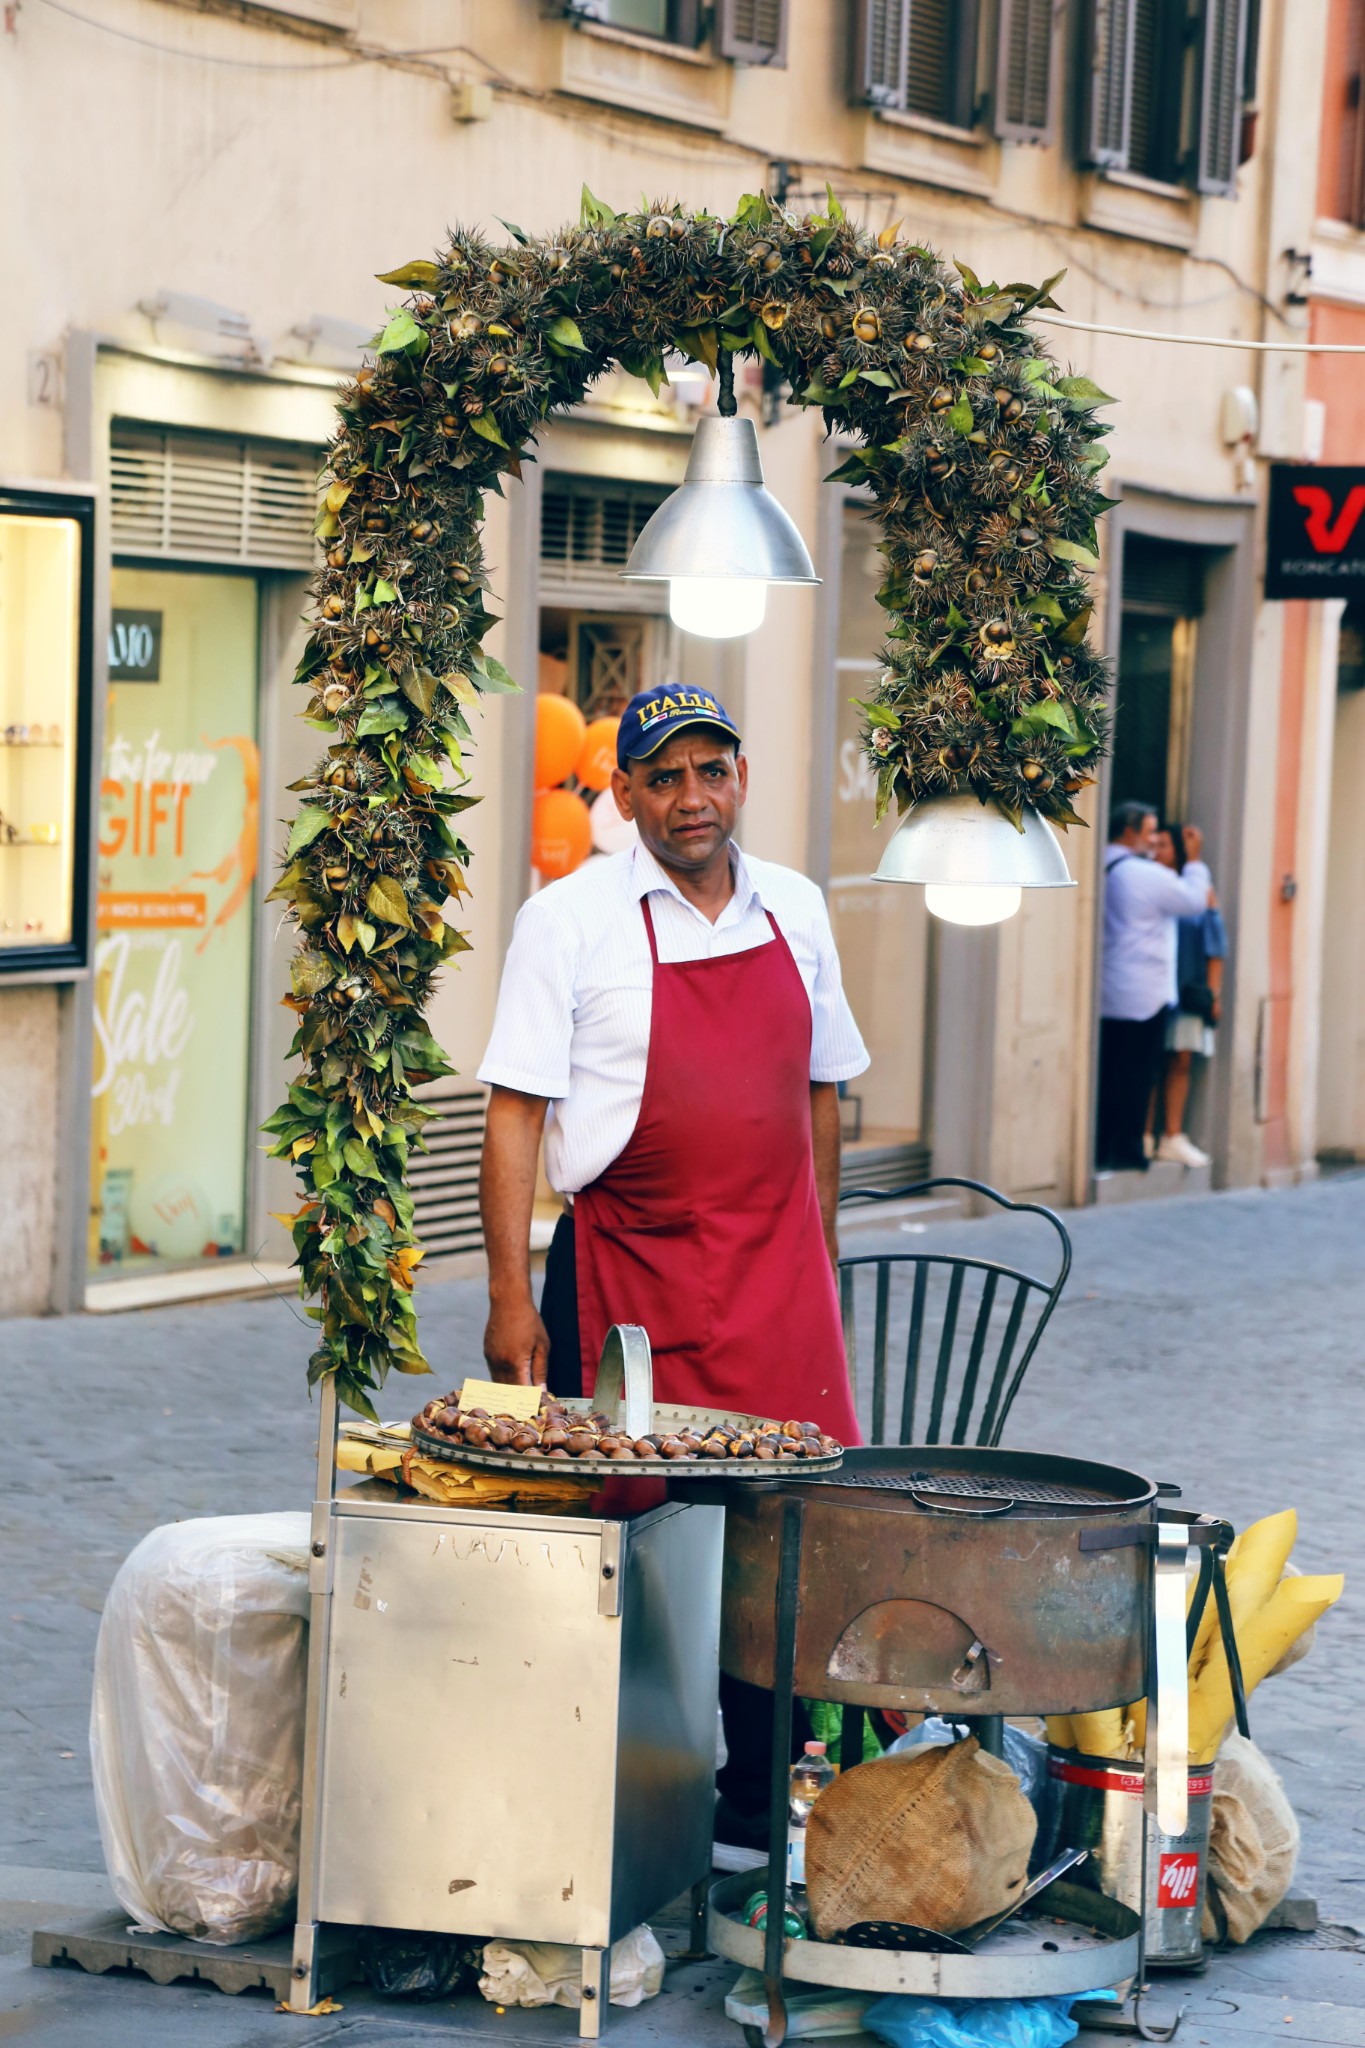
[1296, 348]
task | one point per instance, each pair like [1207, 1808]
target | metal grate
[445, 1178]
[589, 526]
[978, 1486]
[212, 498]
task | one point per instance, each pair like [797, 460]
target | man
[1143, 903]
[672, 1017]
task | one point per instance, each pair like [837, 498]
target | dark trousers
[746, 1710]
[1130, 1056]
[559, 1313]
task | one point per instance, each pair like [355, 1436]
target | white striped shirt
[573, 1014]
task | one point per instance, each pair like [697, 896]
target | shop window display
[41, 563]
[179, 830]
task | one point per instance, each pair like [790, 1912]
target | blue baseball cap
[653, 716]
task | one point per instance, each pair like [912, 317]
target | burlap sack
[1253, 1842]
[939, 1837]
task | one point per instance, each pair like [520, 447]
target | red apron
[706, 1228]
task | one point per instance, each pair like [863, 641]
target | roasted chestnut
[673, 1447]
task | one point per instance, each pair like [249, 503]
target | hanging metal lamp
[972, 862]
[721, 538]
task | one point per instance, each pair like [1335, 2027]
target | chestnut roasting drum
[950, 1580]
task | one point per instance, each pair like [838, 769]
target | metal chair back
[967, 1327]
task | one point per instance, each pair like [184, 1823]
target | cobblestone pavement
[1217, 1342]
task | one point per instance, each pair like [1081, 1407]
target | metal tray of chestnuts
[621, 1431]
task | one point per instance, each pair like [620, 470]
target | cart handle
[627, 1367]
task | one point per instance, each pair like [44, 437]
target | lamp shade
[956, 841]
[721, 522]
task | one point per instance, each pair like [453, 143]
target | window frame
[684, 30]
[1183, 90]
[67, 959]
[869, 86]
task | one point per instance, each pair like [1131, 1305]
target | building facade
[210, 187]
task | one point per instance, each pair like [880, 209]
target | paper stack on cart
[196, 1727]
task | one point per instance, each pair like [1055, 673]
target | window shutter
[1222, 57]
[752, 31]
[1107, 82]
[212, 497]
[1025, 70]
[879, 51]
[940, 72]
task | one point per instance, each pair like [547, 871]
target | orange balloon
[597, 757]
[561, 833]
[559, 739]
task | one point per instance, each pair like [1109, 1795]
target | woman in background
[1190, 1029]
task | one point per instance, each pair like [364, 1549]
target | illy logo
[1178, 1881]
[1327, 528]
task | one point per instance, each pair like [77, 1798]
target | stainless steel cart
[511, 1720]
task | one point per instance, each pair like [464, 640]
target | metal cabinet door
[466, 1781]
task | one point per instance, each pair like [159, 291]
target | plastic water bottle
[810, 1775]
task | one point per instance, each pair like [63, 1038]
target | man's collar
[648, 875]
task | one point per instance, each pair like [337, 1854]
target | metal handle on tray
[627, 1366]
[949, 1504]
[1167, 1756]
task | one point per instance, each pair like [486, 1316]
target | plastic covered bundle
[196, 1726]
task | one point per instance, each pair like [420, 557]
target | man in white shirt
[1143, 904]
[673, 1019]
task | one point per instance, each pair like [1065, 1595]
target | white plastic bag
[811, 2015]
[548, 1973]
[196, 1726]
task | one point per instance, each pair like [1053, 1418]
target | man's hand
[1217, 1010]
[515, 1344]
[1194, 841]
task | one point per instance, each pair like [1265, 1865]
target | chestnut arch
[980, 459]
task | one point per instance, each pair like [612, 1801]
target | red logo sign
[1315, 530]
[1178, 1881]
[1329, 534]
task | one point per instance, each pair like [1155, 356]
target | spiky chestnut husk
[979, 461]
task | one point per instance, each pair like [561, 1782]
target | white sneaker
[1181, 1151]
[1148, 1145]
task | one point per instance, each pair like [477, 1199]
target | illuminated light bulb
[973, 902]
[717, 607]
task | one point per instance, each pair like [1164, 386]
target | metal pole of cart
[784, 1679]
[304, 1988]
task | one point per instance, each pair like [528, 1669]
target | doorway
[179, 834]
[882, 933]
[1163, 600]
